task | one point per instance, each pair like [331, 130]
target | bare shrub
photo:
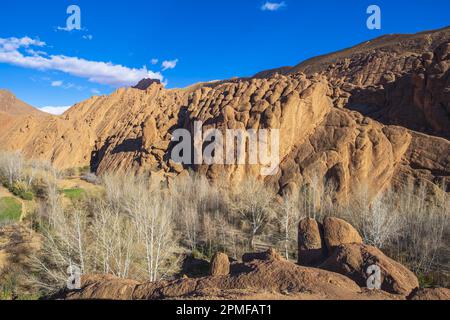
[127, 233]
[376, 219]
[65, 244]
[410, 223]
[424, 225]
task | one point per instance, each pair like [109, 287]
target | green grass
[74, 194]
[10, 209]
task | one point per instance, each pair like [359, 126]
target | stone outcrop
[144, 84]
[338, 232]
[346, 254]
[269, 255]
[259, 279]
[353, 261]
[220, 265]
[311, 246]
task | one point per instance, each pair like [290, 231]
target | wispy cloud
[62, 84]
[57, 83]
[12, 44]
[273, 6]
[169, 64]
[95, 71]
[55, 110]
[154, 61]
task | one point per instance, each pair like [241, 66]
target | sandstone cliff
[376, 114]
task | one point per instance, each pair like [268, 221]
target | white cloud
[154, 61]
[62, 84]
[57, 83]
[88, 37]
[169, 64]
[12, 44]
[95, 71]
[96, 92]
[55, 110]
[36, 53]
[273, 6]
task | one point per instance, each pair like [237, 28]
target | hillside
[11, 105]
[11, 109]
[377, 113]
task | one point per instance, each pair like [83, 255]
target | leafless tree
[289, 217]
[152, 215]
[11, 166]
[252, 201]
[380, 221]
[115, 238]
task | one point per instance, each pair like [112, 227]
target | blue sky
[200, 40]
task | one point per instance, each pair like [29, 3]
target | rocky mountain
[11, 109]
[11, 105]
[377, 114]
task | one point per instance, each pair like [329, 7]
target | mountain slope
[12, 109]
[10, 105]
[374, 114]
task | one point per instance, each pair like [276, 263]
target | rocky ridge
[375, 114]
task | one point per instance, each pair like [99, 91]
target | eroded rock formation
[376, 114]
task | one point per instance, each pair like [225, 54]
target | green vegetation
[10, 209]
[19, 189]
[74, 194]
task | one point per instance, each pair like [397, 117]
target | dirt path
[75, 183]
[4, 192]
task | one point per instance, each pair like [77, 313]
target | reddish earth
[266, 275]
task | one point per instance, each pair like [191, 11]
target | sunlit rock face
[372, 115]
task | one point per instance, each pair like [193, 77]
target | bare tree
[11, 166]
[152, 215]
[289, 217]
[190, 218]
[252, 201]
[115, 240]
[380, 222]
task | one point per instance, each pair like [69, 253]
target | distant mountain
[11, 105]
[13, 109]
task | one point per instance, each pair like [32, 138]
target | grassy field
[74, 194]
[10, 209]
